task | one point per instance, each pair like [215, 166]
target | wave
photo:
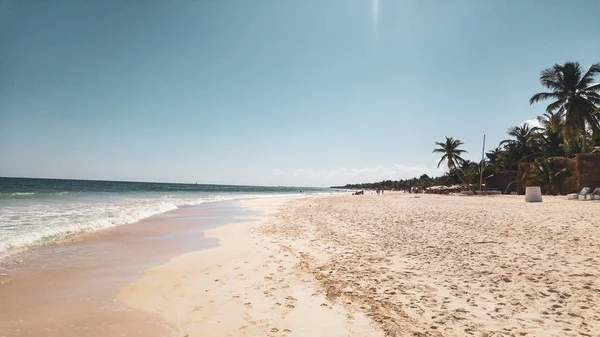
[40, 224]
[31, 195]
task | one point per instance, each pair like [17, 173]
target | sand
[68, 289]
[395, 265]
[248, 286]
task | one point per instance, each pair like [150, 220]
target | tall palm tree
[523, 143]
[552, 132]
[451, 151]
[573, 94]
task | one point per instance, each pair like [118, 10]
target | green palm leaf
[574, 93]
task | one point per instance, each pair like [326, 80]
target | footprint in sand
[248, 304]
[274, 330]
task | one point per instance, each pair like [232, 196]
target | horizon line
[161, 182]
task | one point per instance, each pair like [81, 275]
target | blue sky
[311, 92]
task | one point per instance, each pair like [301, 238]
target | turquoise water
[41, 211]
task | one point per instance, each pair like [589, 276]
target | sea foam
[31, 224]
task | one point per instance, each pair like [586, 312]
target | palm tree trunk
[583, 143]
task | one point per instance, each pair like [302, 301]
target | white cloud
[532, 123]
[342, 176]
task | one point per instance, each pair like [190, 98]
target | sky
[271, 92]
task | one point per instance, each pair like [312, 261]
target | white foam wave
[38, 224]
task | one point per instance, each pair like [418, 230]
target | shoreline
[248, 285]
[39, 212]
[388, 265]
[340, 265]
[68, 288]
[82, 234]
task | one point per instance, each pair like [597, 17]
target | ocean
[41, 211]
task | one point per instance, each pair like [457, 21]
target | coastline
[343, 265]
[68, 288]
[397, 265]
[41, 212]
[248, 285]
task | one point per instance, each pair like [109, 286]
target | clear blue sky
[304, 92]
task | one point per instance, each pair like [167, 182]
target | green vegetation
[570, 124]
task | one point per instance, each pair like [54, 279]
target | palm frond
[544, 96]
[550, 78]
[593, 88]
[441, 160]
[588, 77]
[555, 105]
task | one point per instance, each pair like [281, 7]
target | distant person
[383, 189]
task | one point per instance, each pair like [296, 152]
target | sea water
[41, 211]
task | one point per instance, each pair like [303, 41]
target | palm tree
[493, 155]
[451, 152]
[543, 173]
[551, 132]
[471, 170]
[574, 94]
[523, 143]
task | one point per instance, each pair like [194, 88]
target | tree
[493, 154]
[471, 170]
[542, 173]
[552, 132]
[574, 94]
[523, 144]
[451, 151]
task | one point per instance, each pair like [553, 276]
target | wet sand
[68, 289]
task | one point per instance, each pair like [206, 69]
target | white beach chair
[585, 193]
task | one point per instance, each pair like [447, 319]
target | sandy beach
[393, 265]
